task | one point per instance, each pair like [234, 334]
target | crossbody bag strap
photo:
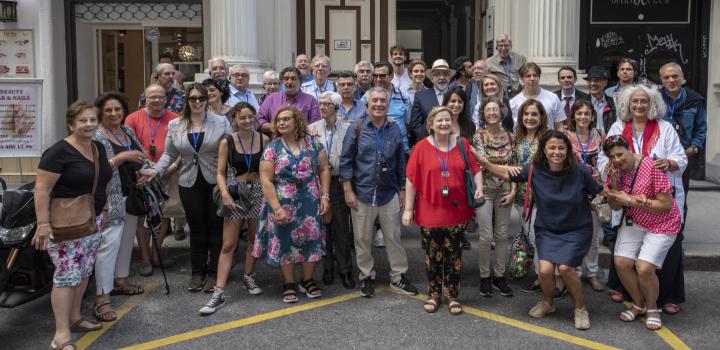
[632, 186]
[527, 205]
[230, 171]
[96, 162]
[463, 154]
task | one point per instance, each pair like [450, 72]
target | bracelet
[627, 201]
[325, 196]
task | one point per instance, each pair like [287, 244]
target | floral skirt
[73, 259]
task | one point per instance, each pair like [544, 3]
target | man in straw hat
[439, 74]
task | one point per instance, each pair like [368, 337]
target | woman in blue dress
[295, 179]
[563, 226]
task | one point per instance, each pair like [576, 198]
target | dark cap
[597, 72]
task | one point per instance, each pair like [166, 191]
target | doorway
[121, 64]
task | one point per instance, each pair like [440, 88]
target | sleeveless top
[237, 159]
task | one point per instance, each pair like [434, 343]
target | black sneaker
[531, 288]
[486, 287]
[197, 283]
[367, 287]
[216, 302]
[404, 286]
[500, 284]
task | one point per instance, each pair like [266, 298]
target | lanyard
[638, 141]
[329, 142]
[380, 141]
[584, 152]
[122, 143]
[289, 151]
[443, 166]
[526, 150]
[196, 135]
[157, 127]
[240, 95]
[671, 105]
[317, 88]
[345, 114]
[508, 68]
[247, 156]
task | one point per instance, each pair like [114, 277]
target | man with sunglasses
[164, 75]
[239, 91]
[290, 96]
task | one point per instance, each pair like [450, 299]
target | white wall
[712, 143]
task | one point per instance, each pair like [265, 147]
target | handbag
[521, 251]
[73, 218]
[469, 178]
[602, 209]
[135, 201]
[240, 191]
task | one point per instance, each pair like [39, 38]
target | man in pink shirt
[291, 96]
[150, 125]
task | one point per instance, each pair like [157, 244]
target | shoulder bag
[73, 218]
[521, 251]
[469, 178]
[240, 191]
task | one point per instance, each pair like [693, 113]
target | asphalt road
[341, 319]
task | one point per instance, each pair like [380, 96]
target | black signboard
[639, 11]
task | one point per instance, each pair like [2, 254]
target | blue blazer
[424, 102]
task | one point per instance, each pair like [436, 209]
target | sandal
[310, 288]
[653, 323]
[616, 296]
[455, 308]
[62, 346]
[126, 288]
[77, 327]
[671, 309]
[289, 294]
[629, 316]
[108, 315]
[431, 305]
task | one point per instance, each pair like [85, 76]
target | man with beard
[604, 105]
[218, 69]
[303, 64]
[290, 96]
[627, 70]
[479, 69]
[164, 75]
[439, 74]
[400, 79]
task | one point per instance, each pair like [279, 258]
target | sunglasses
[197, 98]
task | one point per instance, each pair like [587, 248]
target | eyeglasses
[381, 76]
[239, 75]
[273, 83]
[197, 98]
[155, 98]
[326, 104]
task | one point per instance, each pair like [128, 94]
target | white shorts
[634, 242]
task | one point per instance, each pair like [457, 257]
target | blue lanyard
[584, 152]
[380, 140]
[289, 151]
[443, 166]
[329, 143]
[638, 141]
[317, 88]
[240, 95]
[344, 113]
[247, 156]
[196, 135]
[157, 127]
[122, 143]
[671, 105]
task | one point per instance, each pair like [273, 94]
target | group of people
[318, 169]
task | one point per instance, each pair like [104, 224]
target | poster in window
[20, 125]
[16, 54]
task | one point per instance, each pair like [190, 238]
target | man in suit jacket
[597, 79]
[425, 100]
[567, 77]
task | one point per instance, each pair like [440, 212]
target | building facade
[82, 48]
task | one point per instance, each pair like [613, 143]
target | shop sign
[639, 11]
[20, 118]
[16, 54]
[152, 33]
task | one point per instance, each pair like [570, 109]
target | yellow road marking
[530, 328]
[85, 341]
[244, 322]
[667, 336]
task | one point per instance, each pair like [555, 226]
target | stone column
[553, 31]
[233, 35]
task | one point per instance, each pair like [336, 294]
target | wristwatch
[695, 149]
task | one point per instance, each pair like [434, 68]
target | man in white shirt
[401, 78]
[321, 69]
[530, 77]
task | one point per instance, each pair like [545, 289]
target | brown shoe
[595, 284]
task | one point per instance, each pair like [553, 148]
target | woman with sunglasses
[651, 225]
[195, 137]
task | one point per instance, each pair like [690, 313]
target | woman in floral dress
[295, 178]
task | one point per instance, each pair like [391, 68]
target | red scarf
[650, 136]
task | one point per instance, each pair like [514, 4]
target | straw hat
[439, 65]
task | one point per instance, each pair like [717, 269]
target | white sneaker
[379, 241]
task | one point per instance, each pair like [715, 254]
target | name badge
[445, 191]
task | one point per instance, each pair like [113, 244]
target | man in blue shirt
[399, 104]
[686, 113]
[350, 109]
[372, 170]
[239, 92]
